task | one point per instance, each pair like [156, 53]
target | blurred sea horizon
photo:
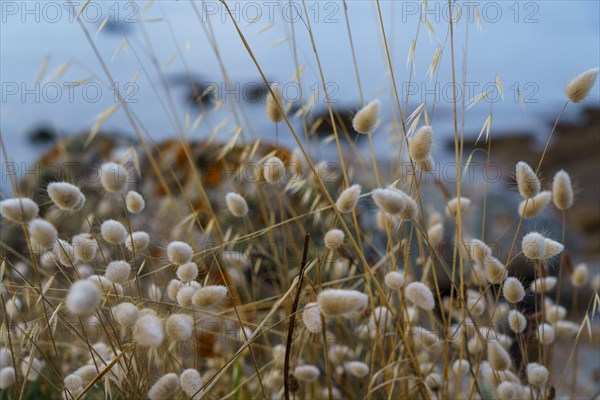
[43, 42]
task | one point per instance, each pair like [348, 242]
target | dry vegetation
[292, 282]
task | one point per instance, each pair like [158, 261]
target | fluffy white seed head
[562, 190]
[334, 238]
[553, 248]
[311, 316]
[420, 145]
[85, 247]
[537, 374]
[527, 181]
[566, 330]
[172, 288]
[479, 251]
[187, 272]
[118, 271]
[513, 290]
[7, 377]
[179, 252]
[578, 89]
[148, 331]
[179, 327]
[507, 391]
[498, 357]
[543, 285]
[138, 241]
[31, 367]
[460, 367]
[529, 208]
[420, 295]
[185, 294]
[357, 368]
[191, 383]
[555, 313]
[545, 334]
[104, 285]
[113, 232]
[134, 202]
[20, 210]
[453, 205]
[516, 321]
[165, 387]
[209, 296]
[389, 201]
[273, 169]
[275, 104]
[580, 276]
[83, 297]
[42, 232]
[435, 233]
[65, 253]
[394, 280]
[411, 209]
[338, 302]
[348, 199]
[427, 164]
[73, 382]
[366, 118]
[66, 196]
[5, 357]
[113, 177]
[236, 204]
[534, 246]
[306, 373]
[125, 313]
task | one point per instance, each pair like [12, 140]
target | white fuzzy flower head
[184, 295]
[545, 334]
[164, 388]
[460, 367]
[306, 373]
[516, 321]
[113, 232]
[83, 297]
[578, 89]
[419, 146]
[543, 285]
[7, 377]
[338, 302]
[555, 313]
[537, 374]
[73, 383]
[118, 271]
[366, 118]
[236, 204]
[125, 313]
[562, 190]
[275, 104]
[273, 169]
[187, 272]
[527, 181]
[173, 287]
[179, 327]
[134, 202]
[138, 241]
[334, 238]
[179, 252]
[513, 290]
[507, 391]
[498, 357]
[85, 247]
[534, 246]
[553, 248]
[394, 280]
[66, 196]
[420, 295]
[411, 210]
[65, 253]
[389, 201]
[31, 367]
[357, 368]
[209, 296]
[529, 208]
[20, 210]
[580, 276]
[348, 199]
[311, 316]
[42, 232]
[191, 383]
[148, 331]
[479, 251]
[453, 205]
[113, 177]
